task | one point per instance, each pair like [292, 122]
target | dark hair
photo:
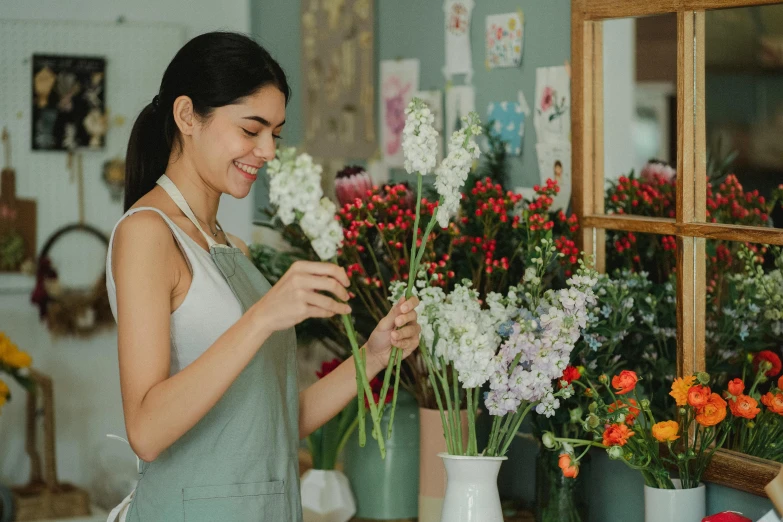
[558, 164]
[213, 69]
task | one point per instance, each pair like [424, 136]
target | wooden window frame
[728, 468]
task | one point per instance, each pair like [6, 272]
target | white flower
[324, 231]
[294, 184]
[419, 138]
[452, 173]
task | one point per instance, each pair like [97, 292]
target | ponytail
[213, 69]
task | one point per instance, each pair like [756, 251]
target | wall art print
[69, 102]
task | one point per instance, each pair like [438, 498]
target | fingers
[327, 303]
[406, 305]
[326, 284]
[403, 319]
[322, 269]
[405, 334]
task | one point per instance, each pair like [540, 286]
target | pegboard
[136, 57]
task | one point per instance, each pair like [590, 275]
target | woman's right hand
[295, 297]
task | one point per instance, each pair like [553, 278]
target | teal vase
[387, 489]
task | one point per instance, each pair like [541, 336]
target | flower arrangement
[15, 363]
[519, 343]
[757, 416]
[622, 423]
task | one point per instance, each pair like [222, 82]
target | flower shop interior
[600, 278]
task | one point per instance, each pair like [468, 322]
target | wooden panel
[606, 9]
[686, 353]
[740, 471]
[769, 236]
[685, 118]
[699, 122]
[641, 224]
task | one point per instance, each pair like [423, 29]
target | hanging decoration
[399, 82]
[338, 68]
[504, 33]
[458, 54]
[114, 177]
[69, 102]
[17, 219]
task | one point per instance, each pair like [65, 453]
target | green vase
[387, 489]
[559, 499]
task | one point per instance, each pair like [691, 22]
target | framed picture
[69, 102]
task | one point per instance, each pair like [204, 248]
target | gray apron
[240, 462]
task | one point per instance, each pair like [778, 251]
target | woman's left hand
[399, 328]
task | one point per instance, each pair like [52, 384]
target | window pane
[744, 115]
[639, 82]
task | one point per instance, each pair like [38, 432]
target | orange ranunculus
[773, 401]
[780, 383]
[698, 396]
[625, 382]
[680, 388]
[631, 408]
[570, 469]
[666, 431]
[744, 406]
[736, 387]
[713, 412]
[617, 435]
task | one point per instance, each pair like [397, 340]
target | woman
[206, 346]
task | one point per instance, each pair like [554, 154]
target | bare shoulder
[142, 239]
[238, 243]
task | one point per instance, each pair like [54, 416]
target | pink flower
[547, 98]
[657, 170]
[352, 183]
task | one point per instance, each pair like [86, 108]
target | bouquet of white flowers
[520, 343]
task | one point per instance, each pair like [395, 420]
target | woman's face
[237, 140]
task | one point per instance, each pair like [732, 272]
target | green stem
[438, 400]
[457, 404]
[394, 395]
[516, 428]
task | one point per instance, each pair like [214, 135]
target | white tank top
[209, 309]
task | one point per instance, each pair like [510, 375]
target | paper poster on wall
[504, 36]
[69, 101]
[434, 100]
[399, 82]
[458, 56]
[508, 122]
[460, 101]
[554, 162]
[552, 117]
[338, 69]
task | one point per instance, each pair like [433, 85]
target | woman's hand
[399, 328]
[296, 295]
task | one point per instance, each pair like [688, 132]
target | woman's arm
[159, 409]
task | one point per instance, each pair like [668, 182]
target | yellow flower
[680, 388]
[666, 431]
[512, 23]
[18, 359]
[4, 393]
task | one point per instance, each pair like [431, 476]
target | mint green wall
[414, 28]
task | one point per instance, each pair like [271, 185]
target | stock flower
[322, 228]
[666, 431]
[419, 138]
[698, 396]
[352, 183]
[625, 382]
[294, 183]
[744, 406]
[680, 388]
[617, 435]
[713, 412]
[453, 171]
[773, 402]
[736, 387]
[570, 468]
[632, 411]
[770, 357]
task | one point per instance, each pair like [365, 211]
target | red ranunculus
[570, 374]
[772, 358]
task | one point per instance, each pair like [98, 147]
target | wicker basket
[44, 497]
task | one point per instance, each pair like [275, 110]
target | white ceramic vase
[471, 489]
[675, 505]
[326, 496]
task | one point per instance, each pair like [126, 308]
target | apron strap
[175, 194]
